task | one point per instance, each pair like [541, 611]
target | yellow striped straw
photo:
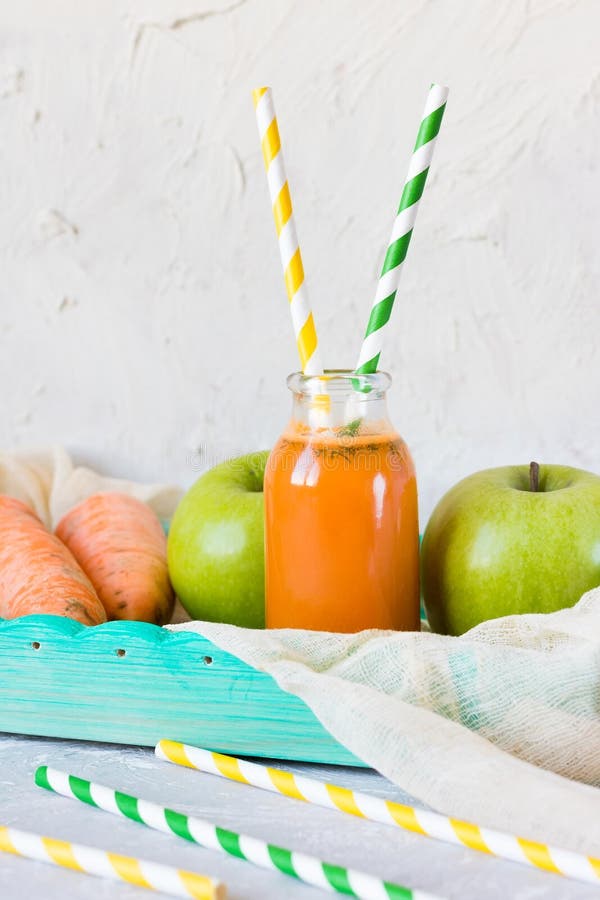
[289, 250]
[409, 818]
[91, 861]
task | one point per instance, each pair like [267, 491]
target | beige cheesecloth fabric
[500, 726]
[464, 724]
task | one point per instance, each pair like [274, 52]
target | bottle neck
[340, 404]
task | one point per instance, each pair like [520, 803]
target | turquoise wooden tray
[133, 683]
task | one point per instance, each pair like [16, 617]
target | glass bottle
[341, 521]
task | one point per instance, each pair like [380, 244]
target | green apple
[216, 544]
[518, 539]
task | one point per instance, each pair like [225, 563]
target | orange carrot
[119, 543]
[38, 573]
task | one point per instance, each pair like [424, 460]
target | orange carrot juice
[342, 541]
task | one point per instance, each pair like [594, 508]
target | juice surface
[342, 541]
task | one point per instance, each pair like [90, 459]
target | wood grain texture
[134, 683]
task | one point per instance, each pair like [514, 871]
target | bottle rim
[334, 381]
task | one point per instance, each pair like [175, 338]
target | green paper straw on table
[414, 185]
[299, 865]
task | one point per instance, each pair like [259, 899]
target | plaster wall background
[143, 320]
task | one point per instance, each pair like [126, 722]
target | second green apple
[511, 540]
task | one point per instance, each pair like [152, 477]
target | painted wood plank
[134, 683]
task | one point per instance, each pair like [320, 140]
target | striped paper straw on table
[409, 818]
[289, 249]
[414, 185]
[91, 861]
[299, 865]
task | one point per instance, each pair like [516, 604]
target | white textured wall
[142, 308]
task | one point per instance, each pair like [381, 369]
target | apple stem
[534, 476]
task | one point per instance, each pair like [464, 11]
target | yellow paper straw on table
[289, 249]
[409, 818]
[92, 861]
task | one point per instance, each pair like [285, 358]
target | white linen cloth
[500, 726]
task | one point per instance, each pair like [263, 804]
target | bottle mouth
[339, 381]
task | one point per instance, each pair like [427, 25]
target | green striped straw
[368, 361]
[299, 865]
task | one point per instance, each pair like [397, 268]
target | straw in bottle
[299, 865]
[368, 361]
[409, 818]
[91, 861]
[289, 249]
